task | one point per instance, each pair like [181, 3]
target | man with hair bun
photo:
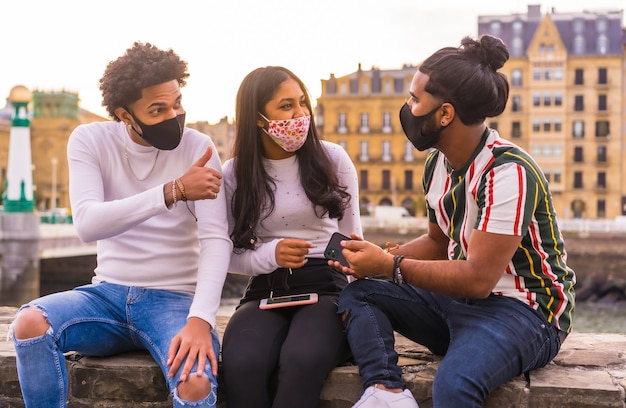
[487, 286]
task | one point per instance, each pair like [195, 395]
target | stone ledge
[590, 371]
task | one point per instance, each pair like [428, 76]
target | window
[602, 102]
[387, 122]
[536, 99]
[578, 129]
[547, 99]
[601, 154]
[516, 129]
[363, 151]
[601, 180]
[547, 74]
[341, 123]
[536, 125]
[408, 151]
[558, 73]
[601, 208]
[556, 176]
[547, 125]
[386, 180]
[536, 150]
[578, 154]
[536, 74]
[365, 123]
[547, 150]
[602, 128]
[579, 104]
[557, 150]
[602, 44]
[495, 28]
[579, 25]
[516, 77]
[408, 180]
[602, 76]
[558, 99]
[578, 77]
[354, 87]
[558, 125]
[517, 46]
[399, 85]
[386, 151]
[579, 44]
[363, 179]
[387, 87]
[516, 103]
[365, 88]
[578, 179]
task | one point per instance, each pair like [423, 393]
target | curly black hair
[141, 66]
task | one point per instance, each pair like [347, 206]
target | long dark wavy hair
[253, 199]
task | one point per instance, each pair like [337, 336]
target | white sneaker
[377, 398]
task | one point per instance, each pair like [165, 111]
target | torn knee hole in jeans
[37, 309]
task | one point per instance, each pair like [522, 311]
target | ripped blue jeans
[100, 320]
[485, 342]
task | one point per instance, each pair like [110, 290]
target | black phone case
[333, 249]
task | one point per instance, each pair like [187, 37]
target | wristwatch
[397, 273]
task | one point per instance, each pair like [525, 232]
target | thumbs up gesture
[202, 182]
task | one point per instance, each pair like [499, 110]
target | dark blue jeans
[485, 342]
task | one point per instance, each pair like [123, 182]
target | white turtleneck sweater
[294, 215]
[140, 241]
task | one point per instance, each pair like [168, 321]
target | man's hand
[365, 259]
[202, 182]
[193, 341]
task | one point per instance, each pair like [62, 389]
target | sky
[66, 44]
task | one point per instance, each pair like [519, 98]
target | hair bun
[490, 51]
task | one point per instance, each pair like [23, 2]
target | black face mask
[164, 135]
[412, 127]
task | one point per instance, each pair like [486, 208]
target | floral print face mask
[289, 134]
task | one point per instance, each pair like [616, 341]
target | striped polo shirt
[503, 191]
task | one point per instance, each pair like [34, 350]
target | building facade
[567, 107]
[222, 134]
[360, 112]
[567, 102]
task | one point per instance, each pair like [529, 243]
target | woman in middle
[287, 192]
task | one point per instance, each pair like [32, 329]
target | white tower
[19, 189]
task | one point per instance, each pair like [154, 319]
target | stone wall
[589, 372]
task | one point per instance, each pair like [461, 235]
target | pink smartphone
[285, 301]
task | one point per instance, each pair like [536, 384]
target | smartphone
[333, 249]
[291, 300]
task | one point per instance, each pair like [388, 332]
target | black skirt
[315, 276]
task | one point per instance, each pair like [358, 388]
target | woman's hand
[292, 252]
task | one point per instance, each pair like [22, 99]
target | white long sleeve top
[140, 241]
[294, 215]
